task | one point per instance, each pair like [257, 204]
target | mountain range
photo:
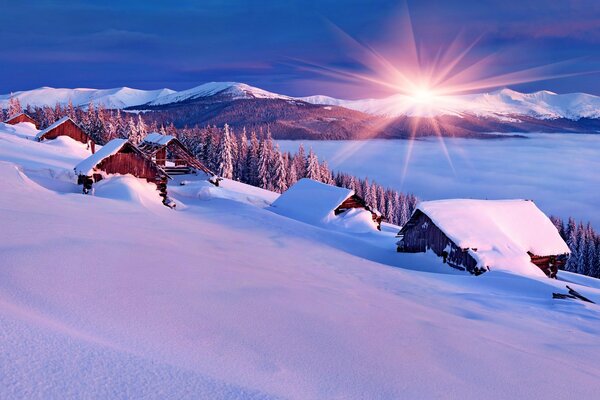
[326, 117]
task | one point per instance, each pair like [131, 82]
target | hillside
[223, 298]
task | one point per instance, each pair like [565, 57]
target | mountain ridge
[502, 103]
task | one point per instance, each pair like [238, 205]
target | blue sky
[152, 44]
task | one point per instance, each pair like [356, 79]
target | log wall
[355, 201]
[422, 234]
[21, 118]
[70, 129]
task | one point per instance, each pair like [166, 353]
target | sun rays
[423, 80]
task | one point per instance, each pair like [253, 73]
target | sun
[423, 95]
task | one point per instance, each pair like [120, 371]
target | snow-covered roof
[16, 116]
[502, 231]
[54, 125]
[158, 139]
[311, 201]
[86, 167]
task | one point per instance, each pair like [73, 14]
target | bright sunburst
[422, 80]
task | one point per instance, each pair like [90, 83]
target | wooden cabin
[168, 152]
[22, 117]
[316, 202]
[120, 156]
[480, 235]
[67, 127]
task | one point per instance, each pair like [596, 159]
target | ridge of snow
[233, 90]
[502, 103]
[109, 98]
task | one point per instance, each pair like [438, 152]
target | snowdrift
[222, 299]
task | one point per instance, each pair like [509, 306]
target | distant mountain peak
[501, 103]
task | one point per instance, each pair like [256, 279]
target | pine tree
[292, 175]
[14, 106]
[252, 161]
[142, 129]
[581, 239]
[300, 162]
[264, 165]
[241, 165]
[225, 155]
[279, 183]
[571, 265]
[132, 133]
[325, 173]
[313, 170]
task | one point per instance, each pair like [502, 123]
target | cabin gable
[356, 201]
[70, 129]
[17, 119]
[420, 234]
[171, 150]
[126, 160]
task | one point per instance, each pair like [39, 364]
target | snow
[54, 125]
[499, 104]
[86, 167]
[499, 233]
[157, 138]
[109, 98]
[105, 296]
[557, 171]
[311, 201]
[232, 90]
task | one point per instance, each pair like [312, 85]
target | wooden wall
[422, 234]
[70, 129]
[355, 201]
[130, 163]
[21, 118]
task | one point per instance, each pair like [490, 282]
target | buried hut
[22, 117]
[67, 127]
[316, 203]
[169, 153]
[481, 235]
[120, 156]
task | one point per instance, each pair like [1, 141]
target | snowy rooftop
[311, 201]
[158, 139]
[502, 231]
[54, 125]
[16, 115]
[87, 166]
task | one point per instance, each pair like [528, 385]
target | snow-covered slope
[505, 102]
[109, 98]
[501, 103]
[230, 90]
[113, 296]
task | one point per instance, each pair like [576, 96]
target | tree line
[257, 160]
[584, 243]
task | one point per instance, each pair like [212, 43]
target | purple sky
[151, 44]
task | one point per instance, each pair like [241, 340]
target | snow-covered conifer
[313, 169]
[225, 154]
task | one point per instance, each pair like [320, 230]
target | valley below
[558, 171]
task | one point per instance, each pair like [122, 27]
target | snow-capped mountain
[122, 97]
[228, 90]
[503, 104]
[500, 103]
